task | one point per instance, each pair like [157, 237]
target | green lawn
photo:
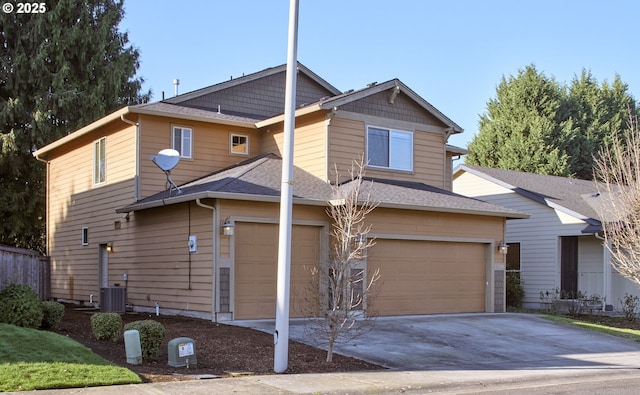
[32, 359]
[631, 334]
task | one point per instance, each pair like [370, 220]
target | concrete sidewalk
[386, 382]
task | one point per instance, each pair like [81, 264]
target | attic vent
[349, 91]
[372, 84]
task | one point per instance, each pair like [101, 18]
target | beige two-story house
[203, 241]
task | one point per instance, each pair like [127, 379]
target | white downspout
[137, 156]
[216, 245]
[606, 273]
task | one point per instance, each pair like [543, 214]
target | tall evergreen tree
[59, 70]
[537, 125]
[597, 113]
[519, 130]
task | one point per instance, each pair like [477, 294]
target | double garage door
[429, 277]
[417, 277]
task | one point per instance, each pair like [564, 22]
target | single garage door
[256, 266]
[428, 277]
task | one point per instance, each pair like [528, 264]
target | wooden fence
[23, 266]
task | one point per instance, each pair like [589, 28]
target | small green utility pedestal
[182, 352]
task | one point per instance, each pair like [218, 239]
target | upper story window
[181, 139]
[391, 149]
[99, 161]
[239, 144]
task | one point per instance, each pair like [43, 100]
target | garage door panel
[427, 277]
[256, 266]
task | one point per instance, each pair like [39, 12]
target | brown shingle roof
[259, 178]
[569, 194]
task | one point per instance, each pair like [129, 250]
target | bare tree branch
[340, 295]
[618, 170]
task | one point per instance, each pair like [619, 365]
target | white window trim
[173, 132]
[96, 154]
[231, 136]
[390, 130]
[85, 236]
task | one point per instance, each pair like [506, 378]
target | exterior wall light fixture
[503, 248]
[227, 227]
[110, 246]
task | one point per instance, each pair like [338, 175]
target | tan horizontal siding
[310, 140]
[435, 224]
[210, 150]
[155, 255]
[74, 202]
[348, 143]
[310, 149]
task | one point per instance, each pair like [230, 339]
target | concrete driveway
[477, 342]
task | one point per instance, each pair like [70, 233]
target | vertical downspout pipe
[216, 243]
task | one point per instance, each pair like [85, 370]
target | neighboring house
[113, 217]
[560, 247]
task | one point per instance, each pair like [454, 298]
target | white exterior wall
[590, 267]
[621, 286]
[590, 277]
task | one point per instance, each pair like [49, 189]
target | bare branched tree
[340, 295]
[618, 170]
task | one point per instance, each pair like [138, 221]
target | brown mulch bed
[613, 321]
[221, 350]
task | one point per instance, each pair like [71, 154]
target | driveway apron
[477, 342]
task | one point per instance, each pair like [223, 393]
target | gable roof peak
[251, 77]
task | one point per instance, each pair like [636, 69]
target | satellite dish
[166, 160]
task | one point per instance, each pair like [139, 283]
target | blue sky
[453, 53]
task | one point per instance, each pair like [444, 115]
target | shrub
[106, 326]
[151, 335]
[20, 306]
[630, 305]
[52, 314]
[514, 290]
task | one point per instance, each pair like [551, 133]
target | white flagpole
[281, 335]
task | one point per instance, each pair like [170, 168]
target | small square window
[85, 236]
[239, 144]
[181, 139]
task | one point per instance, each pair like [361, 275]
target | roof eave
[214, 195]
[525, 193]
[456, 210]
[229, 122]
[299, 112]
[39, 154]
[331, 103]
[456, 150]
